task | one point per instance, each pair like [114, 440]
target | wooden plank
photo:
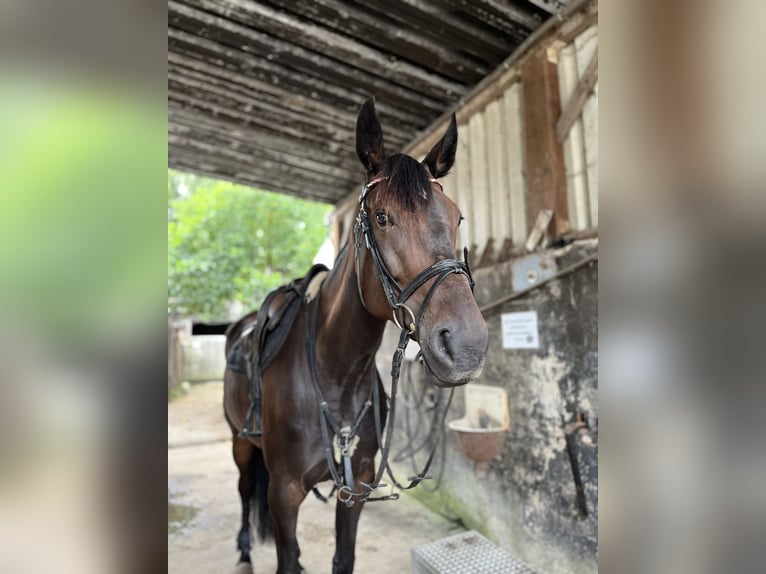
[245, 136]
[497, 173]
[586, 44]
[573, 145]
[254, 149]
[448, 184]
[506, 73]
[255, 102]
[301, 34]
[279, 109]
[409, 42]
[253, 164]
[507, 18]
[514, 130]
[464, 113]
[576, 102]
[216, 74]
[221, 168]
[543, 155]
[432, 19]
[479, 186]
[311, 63]
[224, 168]
[254, 113]
[344, 96]
[463, 185]
[221, 172]
[205, 108]
[573, 26]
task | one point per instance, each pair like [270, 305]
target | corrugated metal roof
[266, 93]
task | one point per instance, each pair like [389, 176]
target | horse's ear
[369, 137]
[441, 157]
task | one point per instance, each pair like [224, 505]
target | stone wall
[525, 501]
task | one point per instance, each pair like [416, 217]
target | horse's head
[405, 245]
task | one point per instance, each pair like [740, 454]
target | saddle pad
[273, 323]
[236, 360]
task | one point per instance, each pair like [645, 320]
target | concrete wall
[203, 358]
[526, 501]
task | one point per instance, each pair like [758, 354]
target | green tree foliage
[228, 243]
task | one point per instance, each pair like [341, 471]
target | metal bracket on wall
[590, 259]
[531, 270]
[578, 427]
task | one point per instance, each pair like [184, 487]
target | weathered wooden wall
[512, 162]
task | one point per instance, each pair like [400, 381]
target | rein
[346, 436]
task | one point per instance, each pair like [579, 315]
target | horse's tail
[260, 501]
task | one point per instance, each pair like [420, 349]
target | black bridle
[344, 483]
[441, 269]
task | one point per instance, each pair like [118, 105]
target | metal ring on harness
[411, 326]
[348, 501]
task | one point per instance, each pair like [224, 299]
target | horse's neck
[348, 335]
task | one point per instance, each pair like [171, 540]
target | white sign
[520, 330]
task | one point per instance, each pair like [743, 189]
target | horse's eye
[459, 221]
[380, 217]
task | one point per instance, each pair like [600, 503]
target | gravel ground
[204, 507]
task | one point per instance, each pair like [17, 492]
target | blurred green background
[81, 228]
[229, 243]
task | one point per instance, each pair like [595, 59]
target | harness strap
[440, 270]
[326, 420]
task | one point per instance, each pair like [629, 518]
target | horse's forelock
[408, 182]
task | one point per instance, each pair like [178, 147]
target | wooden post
[543, 153]
[178, 330]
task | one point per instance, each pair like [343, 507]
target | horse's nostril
[445, 337]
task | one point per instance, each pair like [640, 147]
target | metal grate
[466, 553]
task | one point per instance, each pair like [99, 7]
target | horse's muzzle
[454, 354]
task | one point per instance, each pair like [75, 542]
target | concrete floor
[204, 507]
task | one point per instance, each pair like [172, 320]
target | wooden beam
[428, 137]
[508, 18]
[253, 149]
[306, 64]
[208, 152]
[582, 92]
[506, 73]
[412, 43]
[247, 66]
[345, 158]
[217, 74]
[256, 101]
[226, 167]
[431, 17]
[283, 34]
[543, 153]
[578, 22]
[192, 103]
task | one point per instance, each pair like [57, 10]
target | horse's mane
[408, 182]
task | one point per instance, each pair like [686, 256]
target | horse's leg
[243, 453]
[346, 522]
[285, 498]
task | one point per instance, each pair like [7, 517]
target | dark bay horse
[324, 375]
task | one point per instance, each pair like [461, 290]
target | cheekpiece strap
[367, 187]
